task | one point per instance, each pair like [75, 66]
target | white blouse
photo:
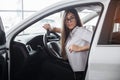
[78, 36]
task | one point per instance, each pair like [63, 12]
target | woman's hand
[47, 27]
[74, 48]
[77, 48]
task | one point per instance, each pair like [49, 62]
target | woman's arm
[54, 29]
[78, 48]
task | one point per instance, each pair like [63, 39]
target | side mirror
[2, 37]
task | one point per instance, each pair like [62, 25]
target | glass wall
[14, 11]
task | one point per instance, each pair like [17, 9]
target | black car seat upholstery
[18, 56]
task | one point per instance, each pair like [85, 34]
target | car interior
[115, 39]
[3, 53]
[34, 40]
[112, 30]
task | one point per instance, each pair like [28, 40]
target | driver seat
[54, 48]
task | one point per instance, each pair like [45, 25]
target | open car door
[3, 53]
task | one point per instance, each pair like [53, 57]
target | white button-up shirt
[78, 36]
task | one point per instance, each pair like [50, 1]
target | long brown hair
[66, 31]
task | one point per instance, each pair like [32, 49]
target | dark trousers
[60, 70]
[57, 70]
[79, 75]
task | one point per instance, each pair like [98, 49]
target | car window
[110, 33]
[37, 27]
[89, 16]
[115, 36]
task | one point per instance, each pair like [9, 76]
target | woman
[75, 42]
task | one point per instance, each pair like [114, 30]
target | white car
[102, 17]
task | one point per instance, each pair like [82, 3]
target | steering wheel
[51, 43]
